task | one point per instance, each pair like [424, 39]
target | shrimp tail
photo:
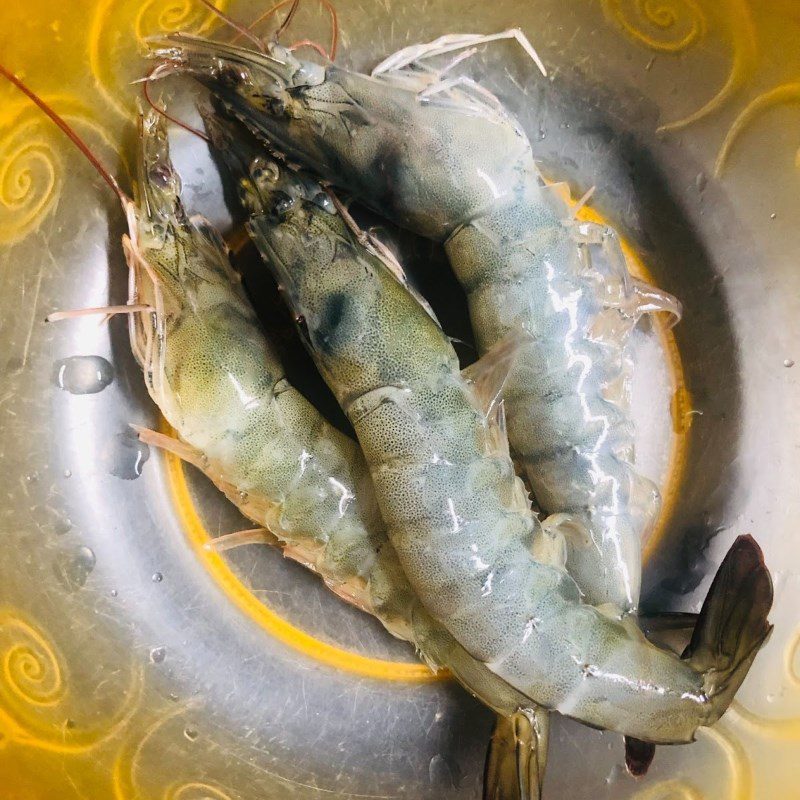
[733, 624]
[638, 756]
[516, 757]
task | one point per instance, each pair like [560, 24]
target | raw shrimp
[438, 154]
[396, 604]
[458, 516]
[222, 387]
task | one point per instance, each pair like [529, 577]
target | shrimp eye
[283, 203]
[323, 200]
[160, 175]
[264, 173]
[274, 105]
[232, 75]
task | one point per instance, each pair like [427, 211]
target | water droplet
[173, 697]
[114, 592]
[191, 734]
[73, 569]
[773, 215]
[83, 374]
[788, 362]
[32, 477]
[128, 460]
[158, 654]
[157, 577]
[62, 525]
[67, 473]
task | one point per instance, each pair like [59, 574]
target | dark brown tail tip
[638, 756]
[733, 624]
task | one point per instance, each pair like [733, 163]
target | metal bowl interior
[138, 664]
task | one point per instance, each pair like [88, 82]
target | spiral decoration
[34, 696]
[129, 756]
[668, 26]
[196, 791]
[33, 153]
[118, 34]
[670, 790]
[785, 93]
[30, 174]
[31, 666]
[793, 650]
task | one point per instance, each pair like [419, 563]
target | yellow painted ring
[382, 669]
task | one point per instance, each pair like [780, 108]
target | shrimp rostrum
[437, 153]
[459, 518]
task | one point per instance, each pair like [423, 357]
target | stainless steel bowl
[136, 664]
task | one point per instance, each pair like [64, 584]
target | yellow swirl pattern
[34, 680]
[32, 155]
[116, 23]
[784, 729]
[31, 667]
[668, 26]
[122, 773]
[674, 789]
[793, 650]
[30, 174]
[745, 52]
[786, 93]
[739, 771]
[739, 766]
[196, 791]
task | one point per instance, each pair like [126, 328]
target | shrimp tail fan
[517, 756]
[733, 624]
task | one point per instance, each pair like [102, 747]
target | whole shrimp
[252, 168]
[459, 518]
[222, 387]
[438, 154]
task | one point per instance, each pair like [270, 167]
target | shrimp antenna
[76, 140]
[164, 113]
[240, 29]
[334, 25]
[285, 24]
[308, 43]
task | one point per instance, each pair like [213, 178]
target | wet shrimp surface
[122, 681]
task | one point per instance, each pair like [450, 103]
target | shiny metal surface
[135, 666]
